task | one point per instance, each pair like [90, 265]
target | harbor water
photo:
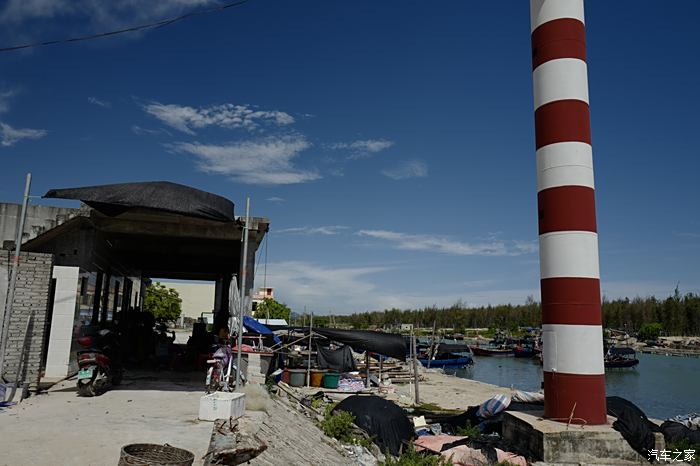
[662, 386]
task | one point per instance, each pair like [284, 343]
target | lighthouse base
[555, 442]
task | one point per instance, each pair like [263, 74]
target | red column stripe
[560, 38]
[586, 392]
[572, 301]
[566, 208]
[562, 121]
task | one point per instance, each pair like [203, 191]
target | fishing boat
[491, 351]
[524, 351]
[447, 356]
[620, 358]
[447, 360]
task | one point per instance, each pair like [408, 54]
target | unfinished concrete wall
[31, 295]
[39, 219]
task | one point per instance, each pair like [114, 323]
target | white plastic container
[221, 405]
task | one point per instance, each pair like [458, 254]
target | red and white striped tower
[572, 334]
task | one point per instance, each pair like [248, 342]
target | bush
[684, 445]
[410, 457]
[339, 426]
[650, 331]
[469, 431]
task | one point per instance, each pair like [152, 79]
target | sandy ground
[448, 391]
[60, 428]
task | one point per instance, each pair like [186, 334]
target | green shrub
[339, 426]
[684, 445]
[469, 431]
[410, 457]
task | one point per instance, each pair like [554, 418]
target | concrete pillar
[572, 334]
[63, 317]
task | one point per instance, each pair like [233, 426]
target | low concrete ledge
[555, 442]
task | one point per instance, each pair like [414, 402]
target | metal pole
[367, 382]
[308, 364]
[415, 368]
[244, 267]
[7, 315]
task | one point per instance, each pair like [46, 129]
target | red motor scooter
[99, 366]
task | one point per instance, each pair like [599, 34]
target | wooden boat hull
[447, 363]
[621, 364]
[480, 351]
[524, 352]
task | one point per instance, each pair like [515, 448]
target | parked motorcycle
[218, 367]
[218, 377]
[99, 366]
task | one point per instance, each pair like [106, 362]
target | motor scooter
[99, 365]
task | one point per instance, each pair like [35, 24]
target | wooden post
[381, 366]
[432, 343]
[367, 382]
[415, 368]
[308, 365]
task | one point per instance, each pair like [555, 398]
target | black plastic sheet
[633, 424]
[115, 199]
[339, 360]
[384, 421]
[387, 344]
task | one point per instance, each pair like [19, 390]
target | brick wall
[31, 294]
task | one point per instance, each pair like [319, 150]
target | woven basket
[148, 454]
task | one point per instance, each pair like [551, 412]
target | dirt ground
[448, 391]
[60, 428]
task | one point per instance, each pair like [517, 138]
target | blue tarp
[255, 326]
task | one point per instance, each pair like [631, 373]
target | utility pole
[241, 305]
[6, 315]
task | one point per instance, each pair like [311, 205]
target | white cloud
[362, 147]
[10, 136]
[263, 161]
[276, 199]
[322, 288]
[148, 132]
[96, 14]
[99, 103]
[230, 116]
[342, 289]
[5, 97]
[444, 245]
[410, 169]
[322, 230]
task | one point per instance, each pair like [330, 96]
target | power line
[154, 25]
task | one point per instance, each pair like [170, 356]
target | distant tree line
[677, 315]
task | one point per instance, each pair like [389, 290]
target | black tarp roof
[115, 199]
[387, 344]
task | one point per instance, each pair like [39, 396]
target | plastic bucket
[317, 377]
[331, 379]
[297, 377]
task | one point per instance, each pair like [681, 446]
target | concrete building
[197, 297]
[102, 256]
[39, 219]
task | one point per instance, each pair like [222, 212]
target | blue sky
[391, 144]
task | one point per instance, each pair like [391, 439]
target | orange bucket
[317, 377]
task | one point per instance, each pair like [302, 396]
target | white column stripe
[569, 254]
[542, 11]
[565, 164]
[572, 349]
[563, 78]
